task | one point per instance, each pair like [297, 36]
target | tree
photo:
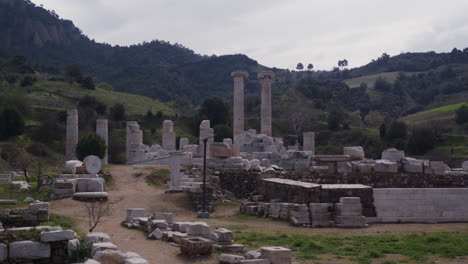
[382, 130]
[382, 84]
[11, 123]
[216, 110]
[461, 114]
[221, 132]
[87, 83]
[422, 140]
[396, 130]
[91, 144]
[310, 66]
[342, 64]
[117, 112]
[334, 121]
[299, 66]
[95, 211]
[20, 159]
[73, 73]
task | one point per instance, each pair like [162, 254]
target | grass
[8, 192]
[158, 178]
[442, 114]
[370, 79]
[61, 95]
[416, 247]
[60, 220]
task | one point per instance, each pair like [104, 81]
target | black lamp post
[203, 213]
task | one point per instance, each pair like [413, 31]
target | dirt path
[130, 191]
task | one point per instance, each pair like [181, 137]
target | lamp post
[203, 213]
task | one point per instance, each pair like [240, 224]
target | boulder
[102, 246]
[72, 246]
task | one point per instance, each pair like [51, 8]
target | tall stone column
[102, 131]
[72, 134]
[308, 139]
[265, 80]
[238, 121]
[168, 136]
[128, 139]
[134, 141]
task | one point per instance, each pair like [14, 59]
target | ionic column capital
[240, 73]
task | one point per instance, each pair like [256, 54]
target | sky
[277, 33]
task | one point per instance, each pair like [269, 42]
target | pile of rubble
[193, 238]
[347, 213]
[37, 212]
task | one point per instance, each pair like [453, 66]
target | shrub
[11, 123]
[91, 144]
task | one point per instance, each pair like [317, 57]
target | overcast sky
[277, 33]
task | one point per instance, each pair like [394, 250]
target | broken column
[176, 157]
[308, 139]
[183, 142]
[134, 140]
[102, 131]
[265, 79]
[206, 132]
[72, 134]
[238, 122]
[168, 136]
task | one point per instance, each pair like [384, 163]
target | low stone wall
[240, 183]
[289, 191]
[429, 205]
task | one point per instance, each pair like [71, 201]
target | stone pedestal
[308, 140]
[168, 136]
[206, 132]
[265, 80]
[238, 121]
[176, 157]
[72, 134]
[102, 131]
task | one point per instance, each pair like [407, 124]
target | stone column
[206, 132]
[238, 121]
[308, 139]
[265, 79]
[72, 134]
[102, 131]
[176, 157]
[183, 142]
[128, 140]
[134, 140]
[168, 136]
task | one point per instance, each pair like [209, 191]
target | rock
[194, 246]
[70, 166]
[28, 200]
[3, 252]
[169, 217]
[439, 167]
[222, 235]
[386, 166]
[72, 246]
[91, 261]
[198, 229]
[29, 250]
[230, 259]
[350, 200]
[355, 153]
[130, 254]
[53, 236]
[344, 167]
[96, 237]
[135, 213]
[254, 254]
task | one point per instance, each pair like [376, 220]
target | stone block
[220, 150]
[439, 167]
[178, 236]
[29, 250]
[136, 261]
[102, 246]
[53, 236]
[194, 246]
[365, 167]
[465, 166]
[38, 206]
[319, 207]
[222, 235]
[72, 246]
[393, 155]
[168, 217]
[135, 213]
[276, 255]
[180, 226]
[344, 167]
[348, 209]
[321, 216]
[91, 261]
[198, 229]
[90, 195]
[231, 248]
[3, 252]
[385, 166]
[253, 254]
[230, 259]
[350, 200]
[354, 153]
[90, 185]
[255, 261]
[109, 256]
[96, 237]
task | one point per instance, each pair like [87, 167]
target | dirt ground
[130, 191]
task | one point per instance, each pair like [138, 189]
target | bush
[422, 140]
[117, 112]
[11, 123]
[461, 115]
[91, 144]
[82, 253]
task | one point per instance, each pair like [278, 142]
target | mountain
[156, 69]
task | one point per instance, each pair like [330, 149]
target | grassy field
[412, 248]
[445, 114]
[370, 79]
[61, 95]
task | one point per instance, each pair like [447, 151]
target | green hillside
[370, 79]
[440, 115]
[62, 95]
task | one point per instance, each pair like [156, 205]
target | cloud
[277, 33]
